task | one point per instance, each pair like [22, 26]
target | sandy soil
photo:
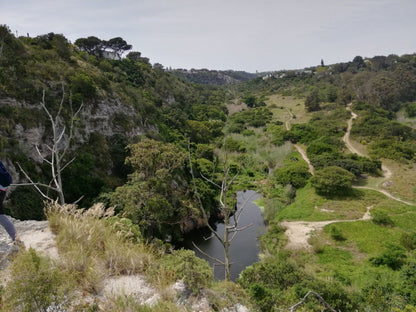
[299, 232]
[37, 235]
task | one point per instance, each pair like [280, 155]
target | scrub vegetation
[268, 133]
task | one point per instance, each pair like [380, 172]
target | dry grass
[236, 107]
[288, 108]
[403, 180]
[401, 117]
[92, 249]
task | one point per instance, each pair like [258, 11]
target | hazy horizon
[261, 35]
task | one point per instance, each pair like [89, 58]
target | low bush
[183, 264]
[94, 244]
[332, 180]
[408, 240]
[381, 218]
[36, 284]
[336, 233]
[393, 256]
[296, 175]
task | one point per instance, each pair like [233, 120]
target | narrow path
[389, 195]
[298, 232]
[299, 148]
[386, 171]
[346, 137]
[305, 157]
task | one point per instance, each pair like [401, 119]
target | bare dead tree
[320, 299]
[227, 210]
[58, 149]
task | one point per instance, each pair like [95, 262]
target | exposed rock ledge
[37, 235]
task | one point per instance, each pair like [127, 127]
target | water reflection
[244, 248]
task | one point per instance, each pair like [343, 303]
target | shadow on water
[244, 248]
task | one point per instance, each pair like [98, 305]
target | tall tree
[156, 194]
[312, 101]
[91, 45]
[118, 45]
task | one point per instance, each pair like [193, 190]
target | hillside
[340, 228]
[214, 77]
[121, 100]
[332, 149]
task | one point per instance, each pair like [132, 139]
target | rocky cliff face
[107, 117]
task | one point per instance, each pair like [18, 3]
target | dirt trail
[299, 148]
[346, 137]
[386, 171]
[298, 232]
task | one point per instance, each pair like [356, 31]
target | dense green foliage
[152, 96]
[156, 125]
[36, 285]
[332, 180]
[156, 194]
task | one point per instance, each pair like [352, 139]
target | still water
[244, 248]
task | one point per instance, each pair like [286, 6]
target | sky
[249, 35]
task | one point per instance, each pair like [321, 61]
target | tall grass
[36, 284]
[92, 249]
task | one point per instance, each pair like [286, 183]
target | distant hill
[214, 77]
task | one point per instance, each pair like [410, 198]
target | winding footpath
[299, 148]
[386, 171]
[298, 232]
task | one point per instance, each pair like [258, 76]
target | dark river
[244, 248]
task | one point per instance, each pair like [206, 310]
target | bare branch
[36, 185]
[61, 135]
[67, 164]
[208, 238]
[209, 180]
[43, 104]
[236, 230]
[324, 303]
[207, 255]
[41, 156]
[204, 214]
[57, 151]
[71, 127]
[237, 214]
[78, 200]
[61, 103]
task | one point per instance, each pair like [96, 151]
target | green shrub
[408, 240]
[318, 148]
[195, 272]
[408, 279]
[36, 284]
[411, 109]
[297, 175]
[381, 218]
[234, 145]
[332, 180]
[225, 295]
[336, 233]
[393, 256]
[83, 85]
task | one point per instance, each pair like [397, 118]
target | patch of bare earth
[299, 232]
